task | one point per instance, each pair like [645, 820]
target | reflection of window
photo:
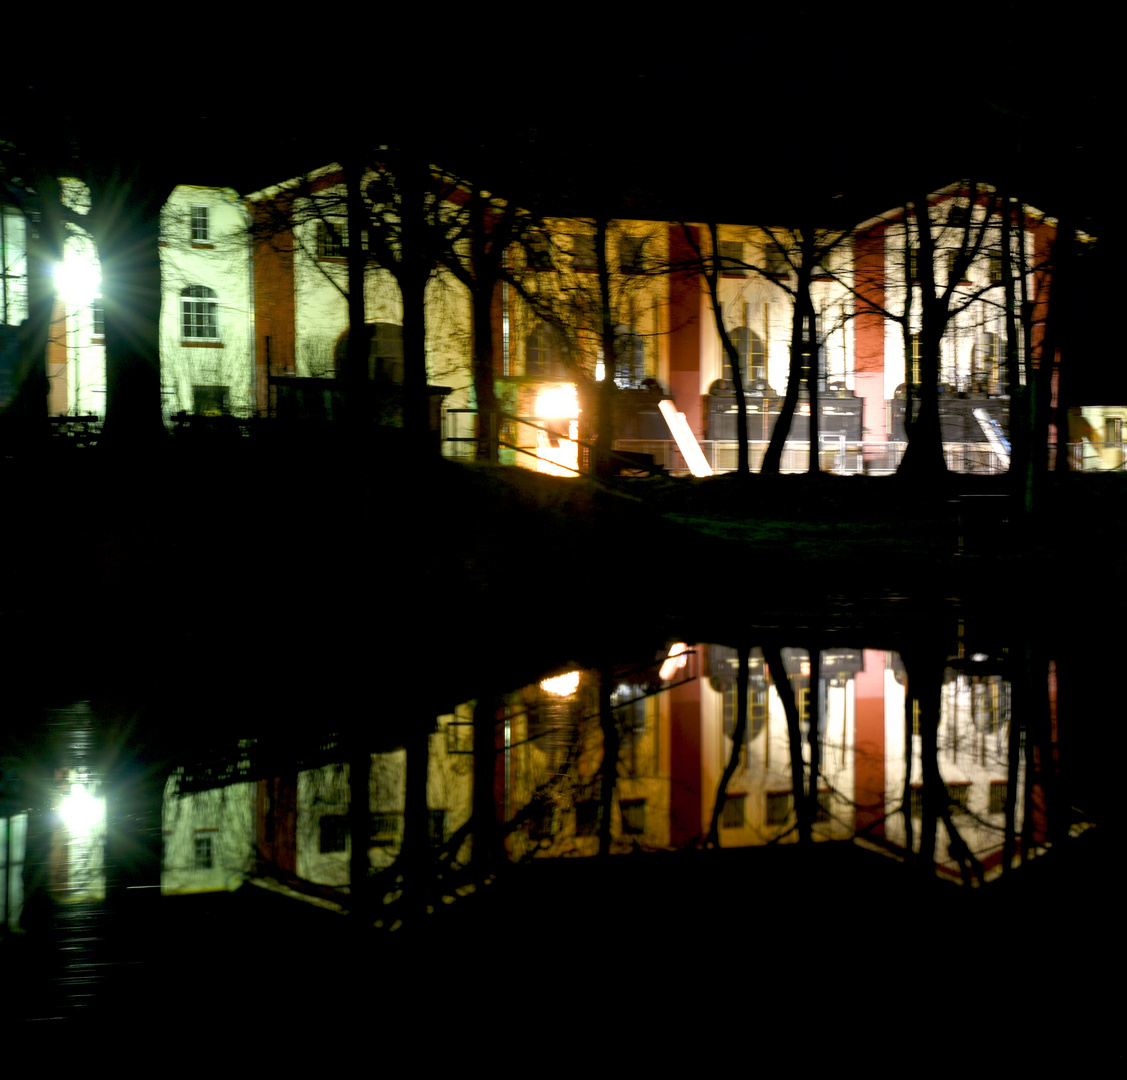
[753, 355]
[778, 807]
[633, 816]
[98, 317]
[958, 214]
[436, 826]
[583, 252]
[998, 791]
[954, 273]
[914, 262]
[199, 314]
[198, 225]
[631, 259]
[825, 797]
[203, 853]
[917, 804]
[544, 353]
[776, 261]
[1113, 429]
[538, 254]
[334, 833]
[331, 238]
[385, 829]
[957, 793]
[732, 257]
[734, 814]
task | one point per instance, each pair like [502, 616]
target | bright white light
[558, 402]
[78, 279]
[600, 371]
[81, 812]
[686, 440]
[561, 685]
[674, 662]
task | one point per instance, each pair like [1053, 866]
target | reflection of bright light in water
[558, 402]
[980, 658]
[81, 812]
[561, 685]
[804, 668]
[78, 279]
[600, 371]
[674, 662]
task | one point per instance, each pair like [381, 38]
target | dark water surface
[921, 821]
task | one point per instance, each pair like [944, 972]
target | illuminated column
[868, 769]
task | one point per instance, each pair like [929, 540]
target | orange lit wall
[868, 758]
[274, 303]
[868, 329]
[684, 763]
[684, 331]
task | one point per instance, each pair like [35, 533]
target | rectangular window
[631, 256]
[998, 792]
[732, 257]
[633, 816]
[734, 814]
[953, 273]
[203, 853]
[332, 238]
[776, 260]
[198, 225]
[778, 807]
[914, 371]
[98, 317]
[994, 267]
[957, 792]
[209, 400]
[436, 826]
[583, 252]
[334, 833]
[1113, 430]
[386, 829]
[199, 314]
[914, 263]
[538, 254]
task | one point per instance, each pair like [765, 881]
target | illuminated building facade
[255, 320]
[207, 311]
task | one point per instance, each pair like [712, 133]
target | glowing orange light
[561, 685]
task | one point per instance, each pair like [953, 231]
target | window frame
[199, 226]
[331, 239]
[199, 308]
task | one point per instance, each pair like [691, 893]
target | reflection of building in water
[568, 783]
[863, 752]
[207, 838]
[973, 750]
[759, 801]
[296, 826]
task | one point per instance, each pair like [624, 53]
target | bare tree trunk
[125, 223]
[604, 447]
[739, 735]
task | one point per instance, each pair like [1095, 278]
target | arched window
[544, 353]
[199, 314]
[630, 357]
[753, 356]
[986, 363]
